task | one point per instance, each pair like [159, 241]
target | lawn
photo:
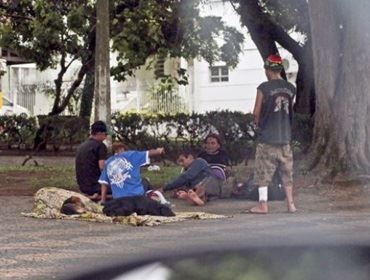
[26, 180]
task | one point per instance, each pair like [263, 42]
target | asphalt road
[49, 249]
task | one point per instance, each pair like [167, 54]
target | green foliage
[290, 14]
[62, 130]
[174, 132]
[53, 33]
[180, 131]
[16, 130]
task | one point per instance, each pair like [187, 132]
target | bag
[249, 189]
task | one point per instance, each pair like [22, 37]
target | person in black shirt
[273, 113]
[214, 154]
[90, 158]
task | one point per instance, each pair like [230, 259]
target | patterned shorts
[271, 157]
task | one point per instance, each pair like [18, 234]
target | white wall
[240, 91]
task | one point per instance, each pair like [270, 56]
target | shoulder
[263, 85]
[200, 161]
[202, 153]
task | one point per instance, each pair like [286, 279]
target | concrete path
[49, 249]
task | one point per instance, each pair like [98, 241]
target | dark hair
[98, 126]
[118, 146]
[186, 153]
[214, 136]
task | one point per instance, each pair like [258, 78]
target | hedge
[144, 131]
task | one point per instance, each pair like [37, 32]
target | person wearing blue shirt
[122, 171]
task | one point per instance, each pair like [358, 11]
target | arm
[103, 192]
[156, 152]
[187, 176]
[101, 164]
[102, 155]
[257, 107]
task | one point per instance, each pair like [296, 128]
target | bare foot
[260, 208]
[292, 208]
[195, 198]
[182, 194]
[95, 197]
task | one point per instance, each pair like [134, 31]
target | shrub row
[141, 131]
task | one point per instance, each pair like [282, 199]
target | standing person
[90, 158]
[197, 184]
[121, 172]
[273, 115]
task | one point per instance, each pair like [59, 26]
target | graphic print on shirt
[118, 171]
[282, 97]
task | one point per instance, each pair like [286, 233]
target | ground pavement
[48, 249]
[54, 249]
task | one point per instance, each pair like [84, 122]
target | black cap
[98, 126]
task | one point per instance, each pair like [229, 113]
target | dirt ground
[311, 193]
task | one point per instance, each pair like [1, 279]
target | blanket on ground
[48, 203]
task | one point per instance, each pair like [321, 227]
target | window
[219, 74]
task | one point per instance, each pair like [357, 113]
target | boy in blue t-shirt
[122, 171]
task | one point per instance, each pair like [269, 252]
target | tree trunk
[102, 68]
[341, 40]
[265, 33]
[87, 95]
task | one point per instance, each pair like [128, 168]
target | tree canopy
[59, 33]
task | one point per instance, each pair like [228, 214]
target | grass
[63, 176]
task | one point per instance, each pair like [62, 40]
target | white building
[209, 88]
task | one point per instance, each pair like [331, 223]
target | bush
[18, 131]
[174, 132]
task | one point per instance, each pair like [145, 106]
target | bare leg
[289, 199]
[195, 198]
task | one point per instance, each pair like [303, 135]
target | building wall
[239, 92]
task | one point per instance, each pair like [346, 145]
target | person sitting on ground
[215, 155]
[121, 172]
[90, 158]
[197, 183]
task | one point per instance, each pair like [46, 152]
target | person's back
[276, 112]
[90, 157]
[122, 173]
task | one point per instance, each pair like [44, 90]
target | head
[212, 143]
[99, 131]
[273, 66]
[185, 159]
[119, 147]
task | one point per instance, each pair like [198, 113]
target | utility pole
[102, 67]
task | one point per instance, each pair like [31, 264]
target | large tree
[341, 40]
[55, 33]
[269, 23]
[51, 34]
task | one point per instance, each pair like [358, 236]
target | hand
[160, 150]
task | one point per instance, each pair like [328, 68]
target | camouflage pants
[271, 157]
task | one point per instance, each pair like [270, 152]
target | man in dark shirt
[90, 159]
[197, 183]
[273, 117]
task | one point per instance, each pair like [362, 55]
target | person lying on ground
[121, 171]
[197, 183]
